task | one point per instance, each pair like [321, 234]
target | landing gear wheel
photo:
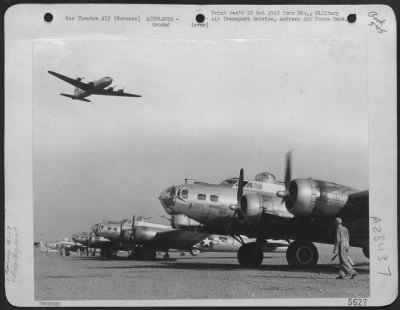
[108, 254]
[366, 251]
[302, 254]
[194, 252]
[250, 255]
[150, 254]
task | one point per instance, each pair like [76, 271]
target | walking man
[342, 245]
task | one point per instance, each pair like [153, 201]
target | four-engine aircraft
[91, 242]
[99, 87]
[63, 247]
[300, 210]
[144, 239]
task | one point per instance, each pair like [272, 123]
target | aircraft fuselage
[215, 206]
[99, 84]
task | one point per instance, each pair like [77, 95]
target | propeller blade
[133, 226]
[288, 170]
[240, 187]
[285, 195]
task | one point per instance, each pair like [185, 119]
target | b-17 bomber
[301, 211]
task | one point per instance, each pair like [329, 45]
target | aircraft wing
[76, 83]
[179, 238]
[109, 92]
[357, 206]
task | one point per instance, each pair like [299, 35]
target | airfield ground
[209, 275]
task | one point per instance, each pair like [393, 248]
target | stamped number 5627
[357, 301]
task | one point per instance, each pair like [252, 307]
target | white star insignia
[206, 242]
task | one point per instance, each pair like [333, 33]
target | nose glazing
[95, 228]
[167, 197]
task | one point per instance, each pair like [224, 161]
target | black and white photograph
[203, 155]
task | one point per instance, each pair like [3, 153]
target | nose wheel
[302, 254]
[250, 255]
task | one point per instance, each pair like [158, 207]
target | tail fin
[75, 98]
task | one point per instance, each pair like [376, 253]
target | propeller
[285, 195]
[133, 227]
[238, 210]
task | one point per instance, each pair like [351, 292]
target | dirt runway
[209, 275]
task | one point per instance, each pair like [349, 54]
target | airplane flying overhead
[98, 87]
[300, 210]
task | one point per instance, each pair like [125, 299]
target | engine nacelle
[126, 234]
[93, 238]
[181, 220]
[308, 197]
[251, 205]
[143, 234]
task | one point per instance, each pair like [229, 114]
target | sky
[208, 108]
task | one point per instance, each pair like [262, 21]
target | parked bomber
[144, 239]
[91, 242]
[301, 211]
[220, 243]
[98, 87]
[63, 247]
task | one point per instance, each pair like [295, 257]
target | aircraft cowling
[313, 198]
[181, 220]
[126, 234]
[92, 238]
[143, 234]
[251, 206]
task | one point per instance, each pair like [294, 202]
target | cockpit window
[201, 196]
[108, 228]
[115, 229]
[214, 198]
[185, 193]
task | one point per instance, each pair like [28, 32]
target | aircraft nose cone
[95, 228]
[167, 198]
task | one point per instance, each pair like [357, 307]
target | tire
[366, 251]
[250, 255]
[302, 254]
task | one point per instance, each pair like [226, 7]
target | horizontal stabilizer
[75, 98]
[69, 96]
